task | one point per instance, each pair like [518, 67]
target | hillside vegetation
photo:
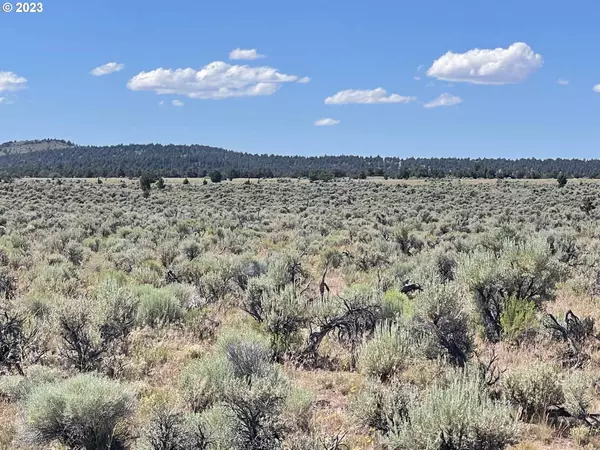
[287, 314]
[61, 159]
[20, 147]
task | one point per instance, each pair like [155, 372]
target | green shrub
[254, 393]
[39, 307]
[8, 284]
[157, 307]
[395, 304]
[581, 435]
[94, 330]
[17, 387]
[85, 411]
[74, 253]
[299, 408]
[171, 429]
[533, 389]
[248, 359]
[22, 340]
[216, 176]
[441, 321]
[286, 268]
[387, 353]
[377, 405]
[81, 343]
[518, 319]
[56, 279]
[525, 270]
[257, 405]
[167, 253]
[199, 322]
[221, 425]
[93, 243]
[352, 317]
[578, 397]
[281, 313]
[200, 381]
[455, 415]
[216, 279]
[118, 309]
[446, 266]
[191, 250]
[196, 432]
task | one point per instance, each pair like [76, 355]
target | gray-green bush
[526, 271]
[85, 411]
[533, 389]
[458, 415]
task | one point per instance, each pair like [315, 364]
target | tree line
[190, 161]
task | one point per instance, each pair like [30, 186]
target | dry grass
[265, 220]
[332, 392]
[380, 180]
[8, 414]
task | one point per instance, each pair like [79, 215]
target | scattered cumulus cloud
[562, 82]
[304, 80]
[445, 99]
[216, 80]
[366, 96]
[596, 88]
[326, 122]
[161, 103]
[416, 78]
[246, 54]
[107, 68]
[10, 81]
[488, 66]
[177, 103]
[2, 100]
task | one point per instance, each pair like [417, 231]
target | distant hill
[58, 158]
[18, 147]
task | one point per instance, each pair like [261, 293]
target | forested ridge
[199, 160]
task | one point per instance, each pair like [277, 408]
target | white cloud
[326, 122]
[247, 54]
[304, 80]
[445, 99]
[2, 100]
[367, 96]
[161, 103]
[177, 103]
[10, 81]
[417, 78]
[107, 69]
[596, 88]
[488, 66]
[562, 82]
[216, 80]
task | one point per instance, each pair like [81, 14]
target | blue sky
[340, 45]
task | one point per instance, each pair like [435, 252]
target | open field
[360, 314]
[382, 180]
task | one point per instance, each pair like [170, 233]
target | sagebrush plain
[429, 315]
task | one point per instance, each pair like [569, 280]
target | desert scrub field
[439, 315]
